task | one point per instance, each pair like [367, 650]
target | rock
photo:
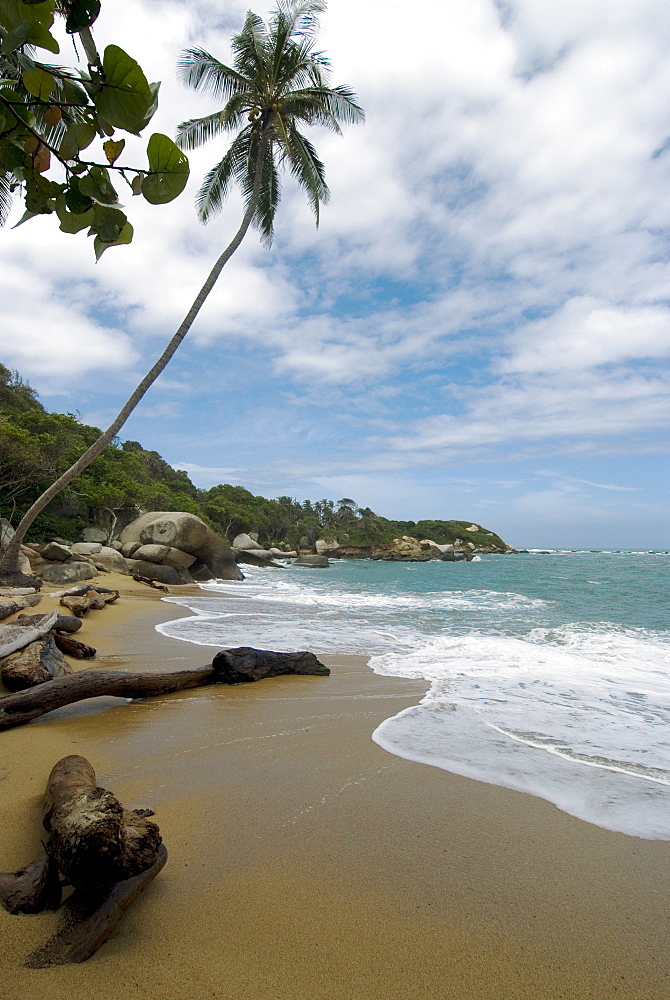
[163, 574]
[110, 561]
[323, 547]
[151, 553]
[244, 541]
[69, 572]
[92, 534]
[40, 661]
[86, 548]
[244, 664]
[313, 562]
[187, 533]
[115, 544]
[55, 552]
[282, 553]
[178, 530]
[255, 557]
[473, 527]
[128, 549]
[304, 542]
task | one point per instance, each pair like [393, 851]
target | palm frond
[5, 197]
[278, 81]
[199, 69]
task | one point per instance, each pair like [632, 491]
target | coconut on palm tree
[277, 85]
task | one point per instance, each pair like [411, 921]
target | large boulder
[110, 561]
[165, 554]
[55, 552]
[176, 529]
[324, 547]
[244, 541]
[86, 549]
[313, 562]
[94, 535]
[66, 572]
[187, 533]
[162, 574]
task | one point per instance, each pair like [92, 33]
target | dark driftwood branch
[31, 889]
[230, 666]
[90, 918]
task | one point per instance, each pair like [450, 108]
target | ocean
[549, 671]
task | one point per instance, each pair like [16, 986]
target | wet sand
[306, 862]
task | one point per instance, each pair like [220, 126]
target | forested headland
[127, 479]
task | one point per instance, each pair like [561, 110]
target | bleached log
[14, 636]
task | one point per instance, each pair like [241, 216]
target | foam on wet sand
[306, 861]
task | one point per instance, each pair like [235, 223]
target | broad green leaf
[40, 195]
[113, 149]
[97, 185]
[136, 184]
[39, 83]
[107, 223]
[126, 96]
[82, 15]
[151, 110]
[71, 222]
[168, 170]
[77, 137]
[28, 23]
[125, 236]
[75, 201]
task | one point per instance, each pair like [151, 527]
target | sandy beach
[306, 862]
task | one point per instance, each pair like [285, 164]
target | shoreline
[306, 861]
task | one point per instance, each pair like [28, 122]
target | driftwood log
[37, 663]
[64, 623]
[93, 840]
[91, 600]
[73, 647]
[16, 636]
[32, 889]
[10, 605]
[150, 583]
[90, 918]
[230, 666]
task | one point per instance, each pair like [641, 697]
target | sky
[479, 328]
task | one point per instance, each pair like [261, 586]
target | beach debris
[90, 917]
[16, 591]
[36, 663]
[64, 623]
[92, 600]
[32, 889]
[93, 840]
[16, 636]
[107, 853]
[229, 666]
[80, 590]
[10, 605]
[150, 583]
[72, 647]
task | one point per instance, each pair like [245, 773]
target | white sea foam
[579, 715]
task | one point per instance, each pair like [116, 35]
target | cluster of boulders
[172, 548]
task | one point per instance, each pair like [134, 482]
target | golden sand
[306, 862]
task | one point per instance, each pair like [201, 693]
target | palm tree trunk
[9, 567]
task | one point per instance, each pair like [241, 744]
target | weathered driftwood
[10, 605]
[64, 623]
[16, 591]
[37, 663]
[90, 918]
[31, 889]
[241, 664]
[72, 647]
[16, 636]
[80, 606]
[92, 839]
[150, 583]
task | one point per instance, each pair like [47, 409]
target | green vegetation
[50, 114]
[126, 479]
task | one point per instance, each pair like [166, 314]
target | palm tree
[276, 83]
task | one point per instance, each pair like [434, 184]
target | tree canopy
[51, 115]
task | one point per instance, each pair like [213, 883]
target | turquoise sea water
[549, 671]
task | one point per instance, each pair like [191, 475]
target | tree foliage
[50, 115]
